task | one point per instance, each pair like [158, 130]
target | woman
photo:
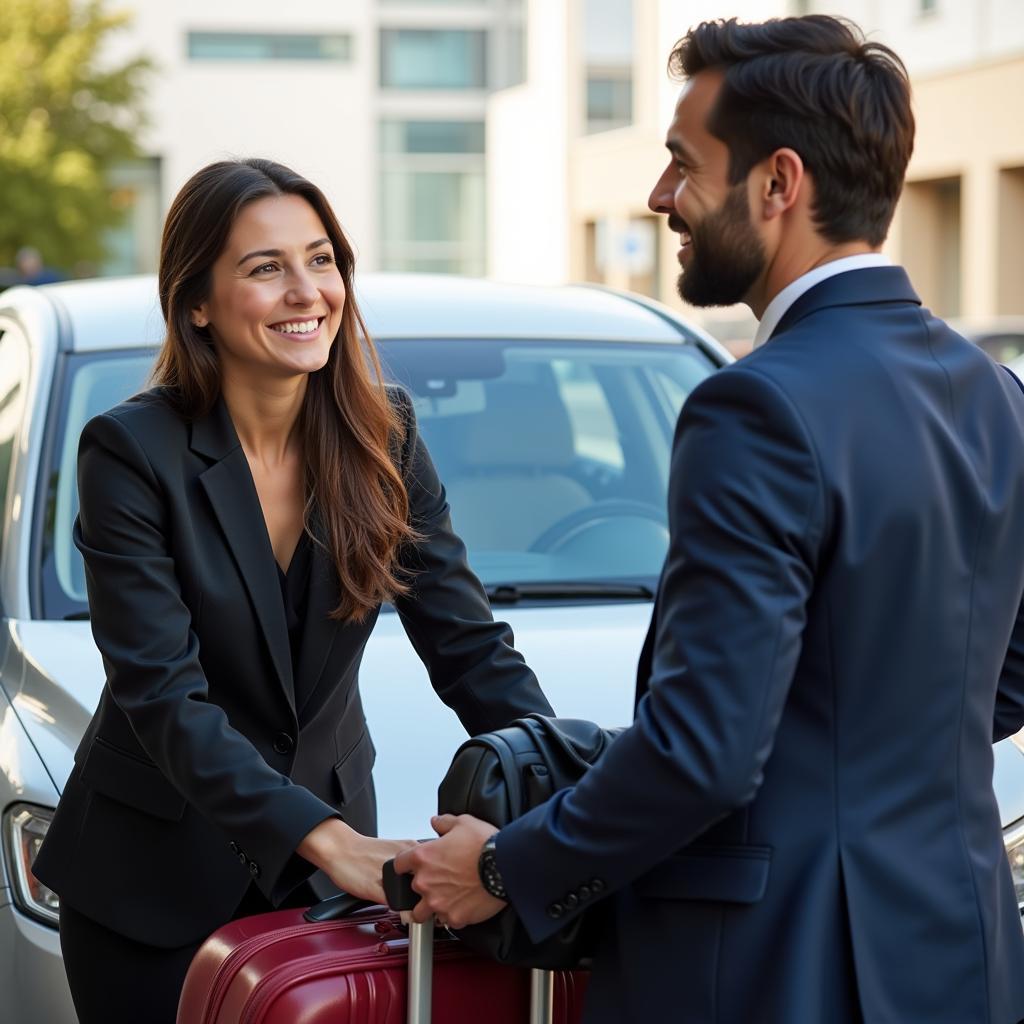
[241, 524]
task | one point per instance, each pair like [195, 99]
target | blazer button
[585, 892]
[254, 869]
[597, 886]
[235, 849]
[242, 859]
[556, 910]
[283, 743]
[572, 901]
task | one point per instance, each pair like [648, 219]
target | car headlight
[25, 828]
[1014, 839]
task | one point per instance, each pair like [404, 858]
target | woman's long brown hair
[349, 430]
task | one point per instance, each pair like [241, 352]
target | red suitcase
[278, 968]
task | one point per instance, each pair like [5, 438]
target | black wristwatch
[490, 876]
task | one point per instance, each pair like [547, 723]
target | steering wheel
[565, 529]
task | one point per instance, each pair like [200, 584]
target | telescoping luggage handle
[401, 896]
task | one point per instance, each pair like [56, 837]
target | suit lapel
[229, 485]
[318, 631]
[645, 663]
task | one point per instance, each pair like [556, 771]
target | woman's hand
[353, 862]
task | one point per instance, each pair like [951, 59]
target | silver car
[549, 413]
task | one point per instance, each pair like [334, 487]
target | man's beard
[726, 254]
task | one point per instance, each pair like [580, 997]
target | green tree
[66, 117]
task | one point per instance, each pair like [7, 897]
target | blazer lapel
[229, 485]
[318, 631]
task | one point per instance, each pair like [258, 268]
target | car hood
[584, 656]
[54, 679]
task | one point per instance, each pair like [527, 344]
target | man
[799, 827]
[31, 268]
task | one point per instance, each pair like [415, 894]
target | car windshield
[554, 455]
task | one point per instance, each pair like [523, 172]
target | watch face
[490, 876]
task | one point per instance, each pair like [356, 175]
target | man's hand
[446, 875]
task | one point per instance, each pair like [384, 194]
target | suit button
[585, 892]
[242, 859]
[254, 869]
[597, 886]
[283, 743]
[235, 849]
[572, 901]
[556, 910]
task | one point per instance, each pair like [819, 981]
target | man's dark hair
[814, 85]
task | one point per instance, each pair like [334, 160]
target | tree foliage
[66, 117]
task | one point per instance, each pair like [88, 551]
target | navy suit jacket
[800, 826]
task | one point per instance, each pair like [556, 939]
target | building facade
[581, 185]
[380, 102]
[520, 138]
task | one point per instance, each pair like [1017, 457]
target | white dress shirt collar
[777, 308]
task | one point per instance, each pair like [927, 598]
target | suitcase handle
[398, 889]
[401, 896]
[336, 907]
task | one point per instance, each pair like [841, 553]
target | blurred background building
[519, 138]
[598, 100]
[380, 102]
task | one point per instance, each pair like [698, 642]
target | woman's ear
[199, 317]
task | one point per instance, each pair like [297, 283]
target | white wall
[317, 117]
[527, 154]
[957, 34]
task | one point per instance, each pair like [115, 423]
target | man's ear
[781, 179]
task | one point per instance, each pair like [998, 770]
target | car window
[554, 456]
[93, 384]
[1003, 347]
[594, 431]
[13, 384]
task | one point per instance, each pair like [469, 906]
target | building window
[609, 99]
[432, 136]
[133, 246]
[930, 231]
[268, 46]
[433, 204]
[433, 58]
[594, 246]
[608, 59]
[640, 254]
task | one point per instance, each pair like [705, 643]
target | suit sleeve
[1009, 714]
[142, 628]
[472, 661]
[746, 512]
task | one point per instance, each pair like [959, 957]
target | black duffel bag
[499, 776]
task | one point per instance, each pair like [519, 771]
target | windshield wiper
[511, 593]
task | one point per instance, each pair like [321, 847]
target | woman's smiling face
[276, 293]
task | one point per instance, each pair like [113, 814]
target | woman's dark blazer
[198, 773]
